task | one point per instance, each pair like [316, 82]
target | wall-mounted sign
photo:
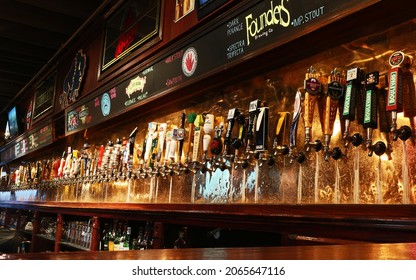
[44, 96]
[35, 140]
[29, 114]
[73, 80]
[134, 24]
[265, 23]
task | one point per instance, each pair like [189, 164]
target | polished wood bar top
[395, 251]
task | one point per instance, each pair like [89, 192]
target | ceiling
[31, 33]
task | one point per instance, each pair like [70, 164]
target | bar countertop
[395, 251]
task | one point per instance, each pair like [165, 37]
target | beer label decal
[347, 100]
[105, 104]
[335, 90]
[135, 85]
[189, 62]
[368, 107]
[396, 59]
[392, 89]
[312, 86]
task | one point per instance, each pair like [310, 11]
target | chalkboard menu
[263, 24]
[31, 142]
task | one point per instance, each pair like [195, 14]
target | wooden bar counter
[394, 251]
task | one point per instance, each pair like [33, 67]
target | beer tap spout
[379, 148]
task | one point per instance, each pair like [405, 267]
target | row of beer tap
[210, 142]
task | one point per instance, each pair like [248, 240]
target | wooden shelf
[369, 223]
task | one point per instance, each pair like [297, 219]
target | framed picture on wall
[183, 7]
[205, 7]
[130, 28]
[44, 96]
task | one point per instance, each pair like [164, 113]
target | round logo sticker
[105, 104]
[189, 62]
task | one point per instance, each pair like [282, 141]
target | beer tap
[38, 172]
[130, 154]
[206, 141]
[153, 154]
[68, 163]
[150, 144]
[238, 142]
[282, 119]
[216, 145]
[262, 132]
[162, 128]
[169, 153]
[198, 122]
[253, 111]
[355, 81]
[370, 114]
[191, 127]
[313, 88]
[335, 91]
[231, 117]
[179, 136]
[29, 179]
[400, 79]
[297, 110]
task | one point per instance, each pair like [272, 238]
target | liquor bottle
[118, 238]
[105, 238]
[127, 239]
[147, 241]
[111, 237]
[182, 241]
[137, 244]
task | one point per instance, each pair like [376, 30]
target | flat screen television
[13, 122]
[205, 7]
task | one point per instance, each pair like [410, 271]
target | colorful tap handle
[132, 139]
[370, 107]
[253, 111]
[29, 172]
[153, 153]
[313, 87]
[198, 123]
[191, 127]
[335, 91]
[162, 127]
[232, 114]
[297, 110]
[151, 135]
[398, 61]
[168, 153]
[206, 141]
[262, 129]
[216, 145]
[355, 78]
[238, 142]
[180, 135]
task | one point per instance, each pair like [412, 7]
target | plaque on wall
[129, 28]
[73, 80]
[44, 96]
